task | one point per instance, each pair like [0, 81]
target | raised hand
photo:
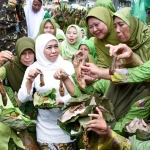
[91, 70]
[32, 75]
[98, 124]
[5, 56]
[120, 51]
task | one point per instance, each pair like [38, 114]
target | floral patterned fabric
[116, 142]
[130, 75]
[60, 146]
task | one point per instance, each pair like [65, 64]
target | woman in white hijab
[34, 15]
[48, 61]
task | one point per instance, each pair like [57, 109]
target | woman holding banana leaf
[48, 61]
[12, 73]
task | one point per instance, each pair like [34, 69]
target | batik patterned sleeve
[130, 75]
[117, 142]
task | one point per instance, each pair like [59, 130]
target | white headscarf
[42, 61]
[85, 37]
[33, 19]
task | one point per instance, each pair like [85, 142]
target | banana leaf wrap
[75, 113]
[13, 117]
[140, 128]
[46, 100]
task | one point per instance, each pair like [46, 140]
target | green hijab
[16, 75]
[105, 3]
[103, 57]
[60, 37]
[91, 47]
[41, 31]
[139, 41]
[70, 49]
[123, 96]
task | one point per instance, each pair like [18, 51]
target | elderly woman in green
[25, 57]
[100, 24]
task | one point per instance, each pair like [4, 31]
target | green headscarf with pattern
[91, 47]
[15, 76]
[139, 41]
[102, 52]
[105, 3]
[67, 50]
[41, 31]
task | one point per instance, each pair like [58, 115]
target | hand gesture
[121, 51]
[98, 124]
[33, 74]
[60, 74]
[91, 70]
[59, 102]
[5, 56]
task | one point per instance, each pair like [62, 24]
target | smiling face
[97, 28]
[51, 50]
[36, 6]
[122, 29]
[48, 28]
[72, 35]
[27, 57]
[84, 49]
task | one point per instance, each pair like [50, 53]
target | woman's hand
[89, 79]
[5, 56]
[32, 75]
[99, 125]
[60, 74]
[91, 70]
[121, 51]
[59, 102]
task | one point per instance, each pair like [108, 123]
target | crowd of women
[47, 51]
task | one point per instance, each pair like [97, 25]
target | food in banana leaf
[46, 100]
[15, 119]
[139, 127]
[79, 60]
[75, 115]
